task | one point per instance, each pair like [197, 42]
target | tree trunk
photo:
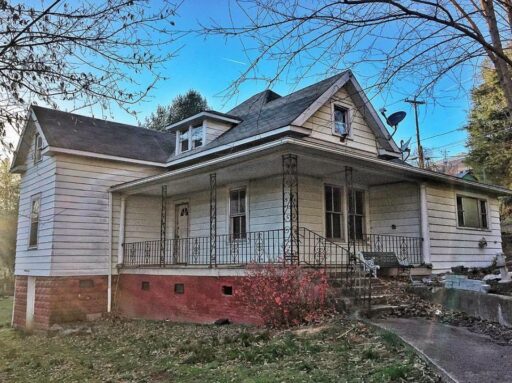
[503, 70]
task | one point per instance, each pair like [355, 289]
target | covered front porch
[281, 204]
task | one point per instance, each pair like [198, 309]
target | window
[472, 212]
[183, 138]
[227, 290]
[333, 213]
[34, 222]
[179, 288]
[341, 121]
[144, 285]
[197, 136]
[38, 148]
[356, 227]
[237, 215]
[86, 283]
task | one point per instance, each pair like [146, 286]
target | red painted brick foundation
[20, 301]
[61, 300]
[203, 300]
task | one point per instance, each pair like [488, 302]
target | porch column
[163, 225]
[349, 184]
[120, 240]
[290, 209]
[213, 220]
[425, 230]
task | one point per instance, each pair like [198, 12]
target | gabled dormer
[200, 129]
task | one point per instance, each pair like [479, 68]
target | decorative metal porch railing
[254, 247]
[267, 247]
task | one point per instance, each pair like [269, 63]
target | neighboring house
[158, 225]
[454, 166]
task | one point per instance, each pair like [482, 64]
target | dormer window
[341, 126]
[38, 148]
[197, 136]
[183, 139]
[190, 138]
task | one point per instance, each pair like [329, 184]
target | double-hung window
[356, 214]
[333, 213]
[34, 222]
[237, 213]
[472, 212]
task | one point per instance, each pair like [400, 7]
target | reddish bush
[284, 296]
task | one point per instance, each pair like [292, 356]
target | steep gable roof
[88, 134]
[267, 111]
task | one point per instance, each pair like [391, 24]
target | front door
[181, 233]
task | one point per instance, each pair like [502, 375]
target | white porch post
[120, 242]
[425, 230]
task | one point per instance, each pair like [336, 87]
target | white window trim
[34, 198]
[231, 188]
[190, 141]
[349, 119]
[479, 198]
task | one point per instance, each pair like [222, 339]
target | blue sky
[210, 64]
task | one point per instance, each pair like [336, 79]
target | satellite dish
[404, 149]
[396, 118]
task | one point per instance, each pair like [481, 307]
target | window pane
[241, 201]
[242, 227]
[470, 208]
[328, 198]
[340, 120]
[483, 213]
[336, 200]
[235, 225]
[197, 136]
[34, 222]
[328, 225]
[336, 226]
[359, 227]
[351, 227]
[184, 140]
[233, 201]
[33, 234]
[359, 196]
[460, 212]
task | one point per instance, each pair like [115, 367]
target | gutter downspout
[109, 289]
[425, 230]
[120, 241]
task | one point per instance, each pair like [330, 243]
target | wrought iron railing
[254, 247]
[342, 264]
[406, 249]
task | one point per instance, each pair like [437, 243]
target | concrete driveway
[460, 354]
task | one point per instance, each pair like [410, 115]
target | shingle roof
[266, 111]
[73, 131]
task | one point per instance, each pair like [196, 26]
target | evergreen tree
[490, 132]
[183, 106]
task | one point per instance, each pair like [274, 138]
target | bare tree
[82, 52]
[418, 41]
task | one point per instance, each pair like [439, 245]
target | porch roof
[322, 159]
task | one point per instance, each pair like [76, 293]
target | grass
[147, 351]
[5, 311]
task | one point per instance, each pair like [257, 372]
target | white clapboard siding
[214, 129]
[454, 246]
[38, 180]
[395, 204]
[81, 232]
[311, 197]
[362, 137]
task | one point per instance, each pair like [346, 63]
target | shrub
[284, 296]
